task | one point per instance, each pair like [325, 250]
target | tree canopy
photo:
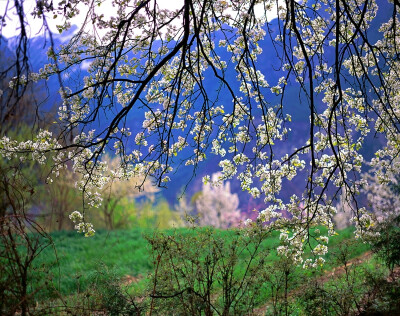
[153, 66]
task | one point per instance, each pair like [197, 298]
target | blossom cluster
[80, 225]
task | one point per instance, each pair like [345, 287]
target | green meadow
[74, 258]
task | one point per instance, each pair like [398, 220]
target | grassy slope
[126, 251]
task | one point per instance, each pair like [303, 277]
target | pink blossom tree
[216, 205]
[380, 186]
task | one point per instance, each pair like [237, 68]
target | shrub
[207, 272]
[387, 246]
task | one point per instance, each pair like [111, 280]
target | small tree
[21, 241]
[216, 205]
[122, 191]
[208, 272]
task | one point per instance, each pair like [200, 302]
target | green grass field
[128, 253]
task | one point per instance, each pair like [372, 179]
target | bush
[105, 293]
[382, 296]
[206, 272]
[22, 280]
[316, 301]
[387, 246]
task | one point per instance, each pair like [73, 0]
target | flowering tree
[344, 212]
[217, 206]
[153, 63]
[382, 192]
